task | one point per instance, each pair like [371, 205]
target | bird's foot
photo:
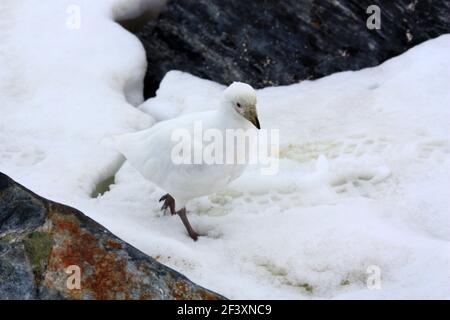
[189, 229]
[169, 203]
[194, 235]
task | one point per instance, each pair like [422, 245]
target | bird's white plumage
[150, 150]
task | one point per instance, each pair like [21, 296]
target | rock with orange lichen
[51, 251]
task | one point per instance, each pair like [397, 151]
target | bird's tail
[135, 147]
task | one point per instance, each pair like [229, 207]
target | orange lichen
[207, 295]
[113, 244]
[105, 272]
[179, 290]
[107, 278]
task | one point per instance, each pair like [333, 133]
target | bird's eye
[238, 105]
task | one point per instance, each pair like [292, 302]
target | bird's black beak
[252, 115]
[256, 122]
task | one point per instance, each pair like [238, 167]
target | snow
[364, 177]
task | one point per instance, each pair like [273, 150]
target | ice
[364, 176]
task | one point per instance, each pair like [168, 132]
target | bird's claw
[169, 203]
[194, 235]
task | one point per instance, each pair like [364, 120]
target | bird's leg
[169, 202]
[184, 219]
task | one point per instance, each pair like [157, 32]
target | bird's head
[242, 99]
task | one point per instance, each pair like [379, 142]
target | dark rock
[267, 43]
[40, 239]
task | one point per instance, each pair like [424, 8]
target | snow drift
[364, 176]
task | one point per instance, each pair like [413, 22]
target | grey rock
[40, 239]
[269, 43]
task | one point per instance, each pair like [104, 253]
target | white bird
[153, 151]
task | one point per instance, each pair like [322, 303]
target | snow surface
[364, 160]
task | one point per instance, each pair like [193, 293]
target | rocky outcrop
[45, 245]
[267, 43]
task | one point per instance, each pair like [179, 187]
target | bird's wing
[152, 152]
